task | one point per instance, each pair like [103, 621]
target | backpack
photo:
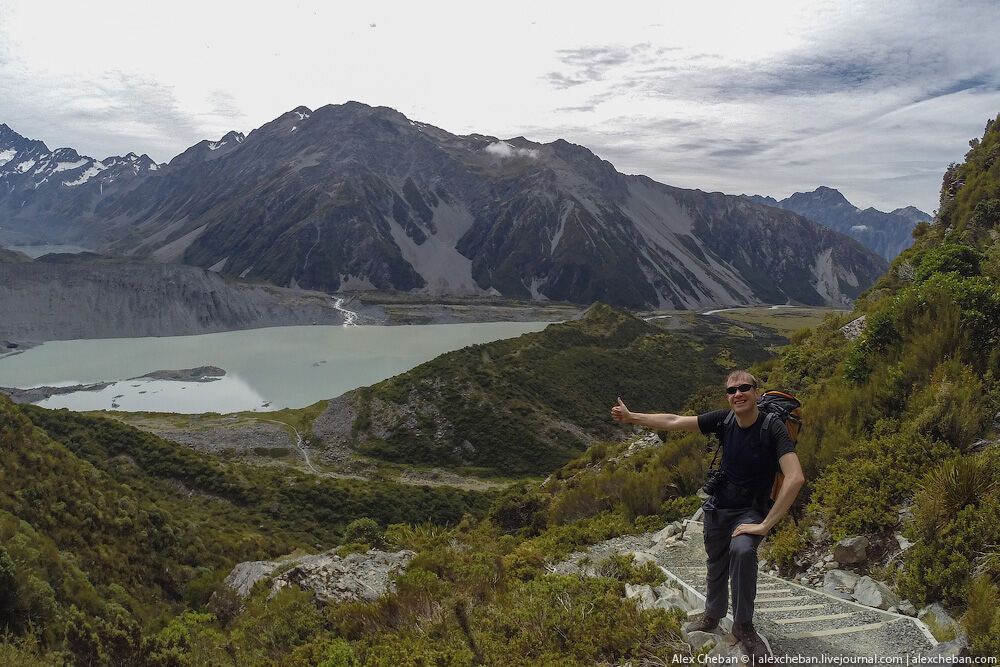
[777, 405]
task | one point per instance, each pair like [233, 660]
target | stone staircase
[796, 619]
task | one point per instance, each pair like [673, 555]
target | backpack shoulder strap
[765, 429]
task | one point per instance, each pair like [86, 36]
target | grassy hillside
[529, 404]
[901, 420]
[106, 529]
[114, 540]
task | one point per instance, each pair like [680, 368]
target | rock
[803, 580]
[818, 532]
[939, 622]
[831, 565]
[956, 648]
[640, 558]
[980, 445]
[996, 421]
[893, 610]
[726, 652]
[851, 550]
[642, 594]
[245, 575]
[906, 607]
[827, 558]
[840, 583]
[853, 329]
[331, 578]
[699, 639]
[874, 594]
[903, 543]
[662, 534]
[670, 597]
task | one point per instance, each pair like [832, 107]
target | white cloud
[874, 97]
[502, 149]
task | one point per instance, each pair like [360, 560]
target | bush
[365, 531]
[951, 487]
[782, 546]
[982, 617]
[954, 406]
[862, 490]
[519, 509]
[622, 567]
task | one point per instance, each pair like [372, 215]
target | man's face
[745, 397]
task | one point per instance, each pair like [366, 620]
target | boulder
[874, 594]
[699, 639]
[906, 608]
[939, 622]
[331, 578]
[853, 329]
[980, 445]
[673, 597]
[667, 531]
[245, 575]
[726, 652]
[642, 594]
[903, 543]
[640, 558]
[956, 648]
[840, 583]
[851, 550]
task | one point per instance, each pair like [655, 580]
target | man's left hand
[751, 529]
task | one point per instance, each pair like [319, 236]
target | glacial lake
[266, 369]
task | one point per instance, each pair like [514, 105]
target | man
[740, 514]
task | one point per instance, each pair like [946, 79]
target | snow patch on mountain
[69, 166]
[6, 156]
[91, 171]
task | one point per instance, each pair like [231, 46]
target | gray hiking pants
[731, 559]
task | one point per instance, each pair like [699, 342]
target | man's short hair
[742, 374]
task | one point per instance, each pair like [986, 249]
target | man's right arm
[656, 422]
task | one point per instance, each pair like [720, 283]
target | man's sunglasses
[741, 387]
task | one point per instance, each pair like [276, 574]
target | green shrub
[862, 491]
[953, 407]
[982, 617]
[952, 486]
[366, 531]
[517, 509]
[783, 545]
[622, 567]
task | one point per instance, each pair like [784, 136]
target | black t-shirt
[748, 461]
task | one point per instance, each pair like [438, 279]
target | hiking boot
[751, 642]
[702, 623]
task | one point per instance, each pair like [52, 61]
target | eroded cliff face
[52, 301]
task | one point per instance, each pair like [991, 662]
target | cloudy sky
[873, 98]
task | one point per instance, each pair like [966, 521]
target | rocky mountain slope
[351, 197]
[46, 188]
[49, 299]
[888, 234]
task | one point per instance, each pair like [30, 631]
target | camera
[716, 478]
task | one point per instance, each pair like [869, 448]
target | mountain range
[352, 197]
[888, 234]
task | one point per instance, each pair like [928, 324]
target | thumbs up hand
[620, 412]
